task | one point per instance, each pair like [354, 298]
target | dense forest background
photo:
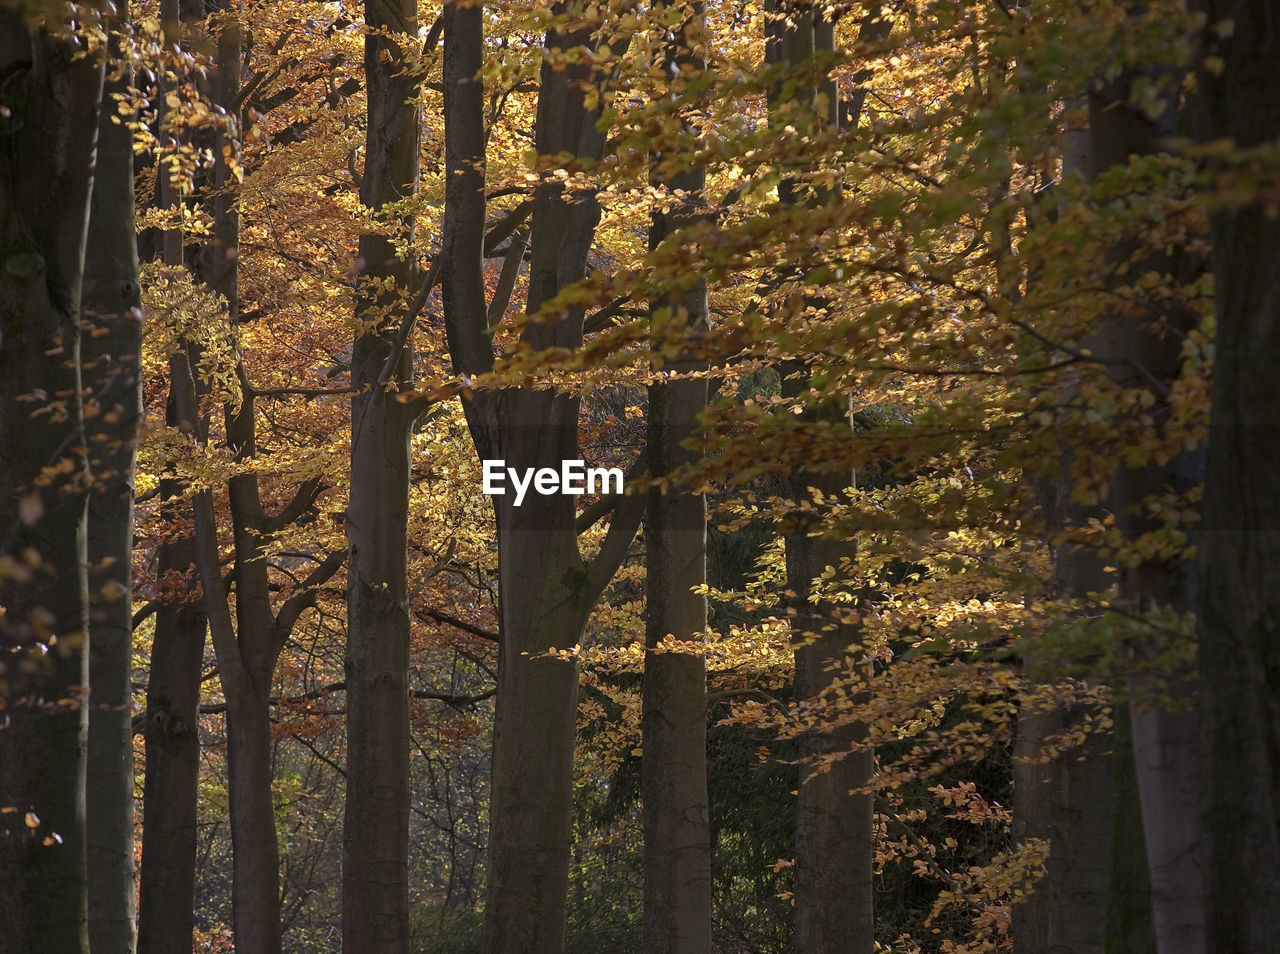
[936, 339]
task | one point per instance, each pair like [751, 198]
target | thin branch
[604, 505]
[287, 618]
[601, 319]
[450, 698]
[432, 39]
[456, 623]
[617, 542]
[507, 278]
[301, 392]
[145, 613]
[507, 225]
[411, 316]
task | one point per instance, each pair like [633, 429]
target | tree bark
[546, 588]
[375, 886]
[167, 872]
[1239, 607]
[673, 778]
[51, 104]
[111, 359]
[166, 897]
[834, 815]
[1064, 798]
[1164, 723]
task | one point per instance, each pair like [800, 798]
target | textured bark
[1238, 603]
[834, 841]
[673, 778]
[530, 828]
[167, 878]
[50, 110]
[546, 588]
[167, 873]
[375, 884]
[1064, 796]
[110, 358]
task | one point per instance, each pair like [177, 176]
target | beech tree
[54, 88]
[546, 588]
[946, 267]
[375, 901]
[677, 861]
[111, 370]
[1237, 617]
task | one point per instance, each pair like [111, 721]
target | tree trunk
[673, 784]
[111, 361]
[246, 664]
[1064, 796]
[834, 834]
[1238, 603]
[375, 884]
[167, 875]
[546, 588]
[1165, 726]
[166, 898]
[530, 830]
[1130, 929]
[1065, 799]
[677, 877]
[834, 815]
[51, 104]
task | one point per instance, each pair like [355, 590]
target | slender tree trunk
[1063, 792]
[167, 873]
[834, 843]
[111, 362]
[677, 879]
[166, 897]
[375, 885]
[1065, 799]
[1164, 723]
[1238, 603]
[1081, 801]
[51, 103]
[1130, 929]
[246, 664]
[677, 838]
[834, 815]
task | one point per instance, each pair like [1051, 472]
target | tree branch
[461, 624]
[627, 514]
[287, 618]
[302, 500]
[449, 698]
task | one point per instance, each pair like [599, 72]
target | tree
[167, 872]
[834, 832]
[375, 902]
[52, 88]
[1235, 601]
[677, 862]
[111, 369]
[546, 588]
